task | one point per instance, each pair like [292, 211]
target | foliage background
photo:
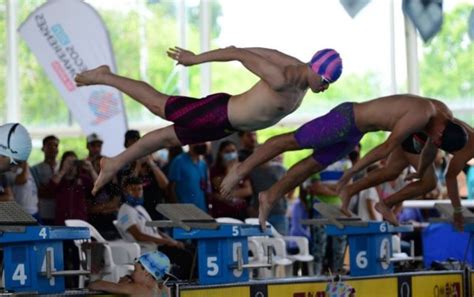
[446, 71]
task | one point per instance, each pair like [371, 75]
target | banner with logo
[69, 37]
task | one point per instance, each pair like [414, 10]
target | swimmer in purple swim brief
[331, 136]
[334, 135]
[284, 81]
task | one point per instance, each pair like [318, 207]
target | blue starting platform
[222, 248]
[33, 258]
[370, 242]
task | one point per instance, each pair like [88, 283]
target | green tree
[447, 65]
[3, 60]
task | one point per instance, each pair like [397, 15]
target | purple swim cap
[327, 63]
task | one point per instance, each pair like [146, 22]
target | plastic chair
[123, 252]
[258, 247]
[302, 243]
[142, 247]
[112, 271]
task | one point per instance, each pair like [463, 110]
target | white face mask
[227, 157]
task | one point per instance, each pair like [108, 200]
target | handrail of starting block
[240, 260]
[49, 273]
[447, 211]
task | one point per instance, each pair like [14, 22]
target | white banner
[68, 37]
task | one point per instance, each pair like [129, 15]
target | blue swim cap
[156, 263]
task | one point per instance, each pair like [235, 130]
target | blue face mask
[227, 157]
[132, 201]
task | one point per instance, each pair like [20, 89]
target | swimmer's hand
[182, 56]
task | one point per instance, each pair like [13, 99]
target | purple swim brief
[331, 136]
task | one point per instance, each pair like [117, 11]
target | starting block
[33, 258]
[222, 248]
[447, 211]
[370, 241]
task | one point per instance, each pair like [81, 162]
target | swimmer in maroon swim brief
[199, 120]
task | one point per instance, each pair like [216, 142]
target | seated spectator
[146, 280]
[236, 206]
[155, 182]
[71, 187]
[132, 218]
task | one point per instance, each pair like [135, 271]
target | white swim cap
[15, 142]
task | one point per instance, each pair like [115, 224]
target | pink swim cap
[327, 63]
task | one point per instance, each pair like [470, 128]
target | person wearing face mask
[236, 205]
[132, 218]
[188, 177]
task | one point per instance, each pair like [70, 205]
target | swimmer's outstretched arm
[271, 73]
[427, 157]
[274, 56]
[117, 288]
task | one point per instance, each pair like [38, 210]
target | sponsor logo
[68, 61]
[104, 105]
[450, 289]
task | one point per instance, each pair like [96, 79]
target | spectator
[24, 189]
[354, 156]
[6, 193]
[131, 136]
[299, 211]
[329, 248]
[154, 181]
[188, 176]
[367, 200]
[72, 187]
[440, 164]
[102, 208]
[132, 218]
[236, 206]
[261, 179]
[42, 174]
[173, 152]
[248, 142]
[94, 146]
[155, 184]
[470, 179]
